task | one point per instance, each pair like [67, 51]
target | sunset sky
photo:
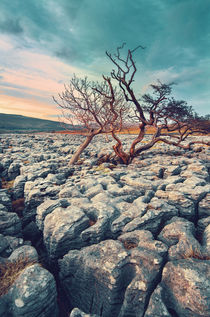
[44, 42]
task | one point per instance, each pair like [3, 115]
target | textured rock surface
[10, 224]
[186, 285]
[111, 230]
[32, 294]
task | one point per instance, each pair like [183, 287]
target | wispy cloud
[42, 43]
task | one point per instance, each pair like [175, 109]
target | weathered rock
[94, 277]
[14, 170]
[13, 243]
[185, 206]
[136, 209]
[206, 242]
[32, 294]
[62, 229]
[3, 244]
[158, 212]
[186, 285]
[178, 234]
[5, 199]
[148, 266]
[204, 207]
[10, 224]
[76, 312]
[143, 239]
[101, 215]
[26, 252]
[18, 187]
[157, 306]
[46, 208]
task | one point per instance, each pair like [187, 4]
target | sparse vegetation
[10, 271]
[7, 184]
[103, 108]
[18, 206]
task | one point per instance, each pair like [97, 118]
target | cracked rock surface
[100, 239]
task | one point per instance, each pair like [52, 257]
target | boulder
[158, 212]
[178, 234]
[62, 229]
[33, 294]
[157, 304]
[10, 224]
[46, 208]
[18, 187]
[94, 277]
[186, 286]
[76, 312]
[5, 199]
[204, 207]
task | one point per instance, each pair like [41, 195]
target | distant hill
[11, 123]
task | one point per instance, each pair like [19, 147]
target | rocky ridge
[103, 239]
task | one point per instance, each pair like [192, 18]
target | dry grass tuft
[195, 254]
[18, 206]
[26, 162]
[129, 245]
[92, 222]
[7, 184]
[9, 273]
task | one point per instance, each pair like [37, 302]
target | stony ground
[102, 239]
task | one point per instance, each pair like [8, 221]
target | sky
[44, 42]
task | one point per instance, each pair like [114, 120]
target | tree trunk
[80, 149]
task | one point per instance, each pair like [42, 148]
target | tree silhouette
[97, 113]
[170, 121]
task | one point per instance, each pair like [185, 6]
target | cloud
[45, 41]
[11, 26]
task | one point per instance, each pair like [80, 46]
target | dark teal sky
[46, 41]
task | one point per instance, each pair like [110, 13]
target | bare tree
[169, 120]
[97, 113]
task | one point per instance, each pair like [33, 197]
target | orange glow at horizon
[28, 107]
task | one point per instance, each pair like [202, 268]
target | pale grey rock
[76, 312]
[102, 215]
[206, 242]
[143, 239]
[32, 294]
[158, 212]
[194, 181]
[135, 210]
[3, 244]
[62, 229]
[178, 234]
[5, 199]
[14, 170]
[18, 187]
[139, 181]
[26, 252]
[157, 304]
[10, 224]
[185, 206]
[186, 285]
[204, 207]
[70, 191]
[94, 190]
[172, 170]
[93, 278]
[147, 265]
[46, 208]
